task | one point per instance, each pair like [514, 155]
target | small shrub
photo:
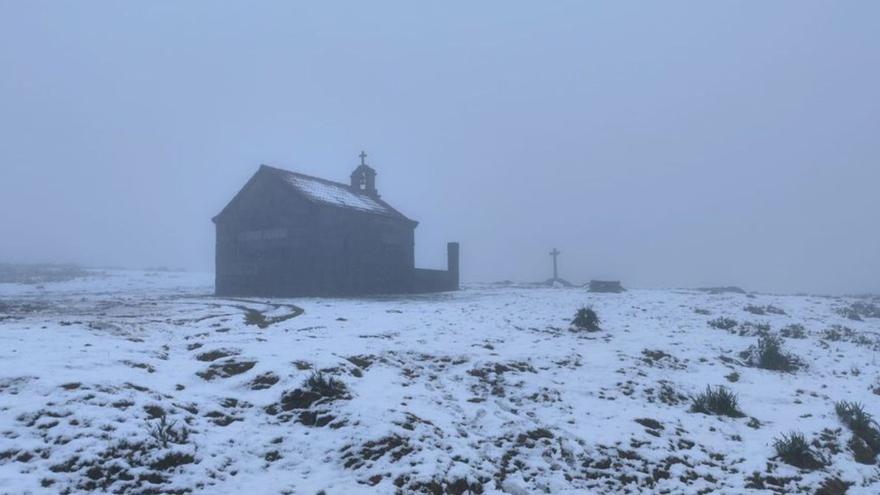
[773, 310]
[755, 310]
[865, 309]
[794, 331]
[840, 333]
[719, 401]
[837, 333]
[586, 319]
[769, 355]
[793, 449]
[253, 317]
[749, 329]
[849, 313]
[723, 323]
[764, 310]
[325, 386]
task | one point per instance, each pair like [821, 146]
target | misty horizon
[495, 248]
[684, 145]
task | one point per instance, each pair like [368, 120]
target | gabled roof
[329, 193]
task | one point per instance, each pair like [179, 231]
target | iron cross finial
[555, 252]
[363, 156]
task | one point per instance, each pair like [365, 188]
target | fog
[663, 144]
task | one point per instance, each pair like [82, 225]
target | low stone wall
[433, 281]
[425, 280]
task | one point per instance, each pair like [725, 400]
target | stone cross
[555, 253]
[363, 156]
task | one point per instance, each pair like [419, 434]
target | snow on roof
[336, 194]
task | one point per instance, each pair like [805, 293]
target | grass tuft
[165, 433]
[325, 386]
[793, 449]
[860, 422]
[755, 310]
[723, 323]
[769, 355]
[718, 401]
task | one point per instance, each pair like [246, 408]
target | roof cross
[363, 156]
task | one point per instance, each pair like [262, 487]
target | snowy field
[135, 382]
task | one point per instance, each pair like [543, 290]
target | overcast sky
[665, 144]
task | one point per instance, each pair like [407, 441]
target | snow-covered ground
[486, 390]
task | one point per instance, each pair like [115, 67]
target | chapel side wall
[257, 245]
[363, 254]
